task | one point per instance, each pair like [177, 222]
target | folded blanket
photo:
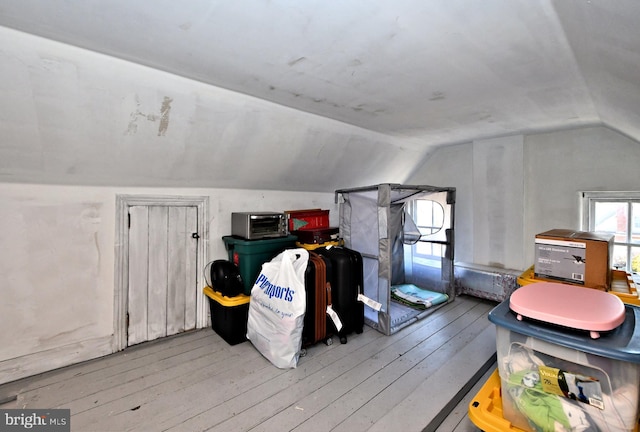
[411, 295]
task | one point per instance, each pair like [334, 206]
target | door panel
[162, 271]
[190, 315]
[182, 269]
[138, 273]
[158, 270]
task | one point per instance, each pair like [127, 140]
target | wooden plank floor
[197, 382]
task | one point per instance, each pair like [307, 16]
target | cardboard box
[575, 257]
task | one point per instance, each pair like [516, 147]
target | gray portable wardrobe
[376, 221]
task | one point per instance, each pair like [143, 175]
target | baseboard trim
[48, 360]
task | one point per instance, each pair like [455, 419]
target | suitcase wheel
[343, 339]
[303, 352]
[329, 341]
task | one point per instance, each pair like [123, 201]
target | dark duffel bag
[224, 277]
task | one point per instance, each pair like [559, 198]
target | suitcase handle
[328, 293]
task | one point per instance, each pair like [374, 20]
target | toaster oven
[258, 225]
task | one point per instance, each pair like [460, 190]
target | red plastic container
[301, 220]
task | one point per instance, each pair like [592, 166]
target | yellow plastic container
[229, 315]
[526, 277]
[622, 285]
[485, 409]
[312, 246]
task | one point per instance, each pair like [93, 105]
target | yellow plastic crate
[229, 315]
[526, 277]
[485, 409]
[313, 246]
[622, 285]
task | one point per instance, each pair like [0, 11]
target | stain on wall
[163, 117]
[165, 109]
[132, 127]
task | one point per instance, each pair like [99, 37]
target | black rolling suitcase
[318, 289]
[346, 283]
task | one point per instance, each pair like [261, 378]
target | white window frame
[589, 199]
[412, 211]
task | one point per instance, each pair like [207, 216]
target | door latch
[195, 235]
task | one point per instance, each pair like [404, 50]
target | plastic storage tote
[307, 219]
[249, 255]
[554, 377]
[485, 409]
[229, 315]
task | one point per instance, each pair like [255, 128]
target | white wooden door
[162, 271]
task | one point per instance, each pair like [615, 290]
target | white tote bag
[277, 307]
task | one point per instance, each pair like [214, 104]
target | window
[428, 216]
[617, 213]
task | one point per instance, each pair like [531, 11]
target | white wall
[57, 265]
[71, 116]
[498, 201]
[488, 178]
[451, 166]
[560, 165]
[535, 187]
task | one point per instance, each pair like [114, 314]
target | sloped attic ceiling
[431, 71]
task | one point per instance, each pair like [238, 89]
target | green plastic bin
[249, 255]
